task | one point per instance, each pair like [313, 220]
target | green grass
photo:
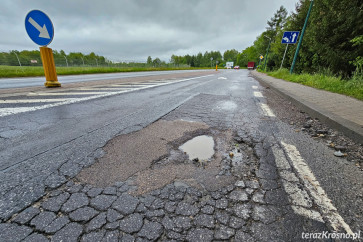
[353, 87]
[31, 71]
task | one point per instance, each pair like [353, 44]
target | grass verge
[352, 88]
[31, 71]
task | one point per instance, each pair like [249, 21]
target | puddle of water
[200, 147]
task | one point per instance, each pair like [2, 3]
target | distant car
[236, 67]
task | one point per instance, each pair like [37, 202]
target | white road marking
[161, 81]
[103, 88]
[255, 87]
[312, 214]
[11, 111]
[257, 94]
[63, 93]
[222, 78]
[327, 209]
[300, 200]
[118, 85]
[135, 85]
[34, 100]
[266, 110]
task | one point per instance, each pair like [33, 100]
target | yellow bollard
[49, 67]
[216, 67]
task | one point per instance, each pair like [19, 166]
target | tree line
[208, 59]
[333, 40]
[332, 43]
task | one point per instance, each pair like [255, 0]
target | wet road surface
[104, 164]
[39, 81]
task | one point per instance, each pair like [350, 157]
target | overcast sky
[126, 30]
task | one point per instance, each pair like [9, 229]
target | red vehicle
[251, 65]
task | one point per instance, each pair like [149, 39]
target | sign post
[40, 30]
[301, 38]
[289, 37]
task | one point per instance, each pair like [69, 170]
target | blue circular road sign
[39, 27]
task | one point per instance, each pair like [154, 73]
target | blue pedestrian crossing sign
[290, 37]
[39, 27]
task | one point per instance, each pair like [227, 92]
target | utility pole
[82, 60]
[268, 48]
[301, 37]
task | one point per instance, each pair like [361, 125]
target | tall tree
[149, 60]
[230, 55]
[277, 22]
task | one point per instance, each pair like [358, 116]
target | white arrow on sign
[293, 37]
[286, 39]
[43, 32]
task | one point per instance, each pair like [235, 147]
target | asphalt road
[39, 81]
[103, 162]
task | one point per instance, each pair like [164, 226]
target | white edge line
[257, 94]
[316, 191]
[289, 181]
[266, 110]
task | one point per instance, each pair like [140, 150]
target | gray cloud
[134, 29]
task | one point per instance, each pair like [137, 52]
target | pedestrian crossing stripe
[93, 93]
[34, 100]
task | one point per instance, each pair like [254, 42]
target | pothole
[200, 148]
[154, 157]
[241, 161]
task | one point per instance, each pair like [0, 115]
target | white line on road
[119, 85]
[222, 78]
[300, 200]
[135, 85]
[327, 209]
[103, 89]
[255, 87]
[11, 111]
[64, 93]
[34, 100]
[266, 110]
[257, 94]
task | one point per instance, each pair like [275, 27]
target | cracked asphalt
[110, 169]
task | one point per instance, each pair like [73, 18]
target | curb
[347, 127]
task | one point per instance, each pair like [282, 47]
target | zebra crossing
[52, 98]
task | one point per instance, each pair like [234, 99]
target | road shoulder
[335, 110]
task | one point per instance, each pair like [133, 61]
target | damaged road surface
[196, 158]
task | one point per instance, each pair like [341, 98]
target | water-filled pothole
[200, 147]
